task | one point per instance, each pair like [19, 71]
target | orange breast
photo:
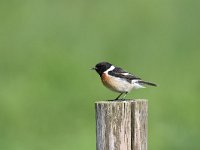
[108, 82]
[105, 79]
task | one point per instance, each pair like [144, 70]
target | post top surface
[121, 101]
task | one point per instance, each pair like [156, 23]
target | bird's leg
[118, 96]
[125, 95]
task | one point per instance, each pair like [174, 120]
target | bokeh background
[47, 91]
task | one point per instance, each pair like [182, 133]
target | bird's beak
[93, 68]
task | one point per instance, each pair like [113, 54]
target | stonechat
[119, 80]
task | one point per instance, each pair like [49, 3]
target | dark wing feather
[119, 72]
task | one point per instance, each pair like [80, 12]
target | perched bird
[118, 80]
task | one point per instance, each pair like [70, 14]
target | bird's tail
[147, 83]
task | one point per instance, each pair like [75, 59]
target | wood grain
[121, 125]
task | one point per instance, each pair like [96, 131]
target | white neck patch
[110, 69]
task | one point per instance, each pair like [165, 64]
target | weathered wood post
[121, 125]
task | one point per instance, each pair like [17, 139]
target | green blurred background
[47, 91]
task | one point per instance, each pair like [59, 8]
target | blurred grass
[47, 91]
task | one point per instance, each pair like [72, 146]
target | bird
[119, 80]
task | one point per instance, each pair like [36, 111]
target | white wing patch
[126, 73]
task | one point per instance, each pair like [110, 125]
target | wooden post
[121, 125]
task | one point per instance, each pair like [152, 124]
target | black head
[101, 67]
